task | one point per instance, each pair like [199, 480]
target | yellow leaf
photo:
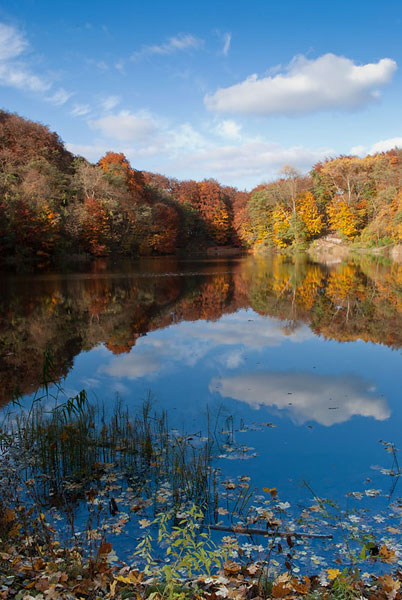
[113, 589]
[333, 573]
[132, 578]
[272, 491]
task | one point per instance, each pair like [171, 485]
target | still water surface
[315, 350]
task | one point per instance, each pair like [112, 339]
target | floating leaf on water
[272, 491]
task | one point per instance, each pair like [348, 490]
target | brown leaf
[281, 590]
[105, 548]
[387, 554]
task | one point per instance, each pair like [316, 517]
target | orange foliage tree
[118, 169]
[96, 227]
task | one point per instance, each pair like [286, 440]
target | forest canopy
[55, 204]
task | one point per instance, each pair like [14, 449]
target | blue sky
[230, 90]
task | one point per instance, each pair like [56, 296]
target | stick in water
[296, 534]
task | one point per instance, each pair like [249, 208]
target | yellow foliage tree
[307, 210]
[280, 226]
[341, 217]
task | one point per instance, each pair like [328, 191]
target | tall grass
[67, 449]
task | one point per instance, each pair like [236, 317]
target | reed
[67, 449]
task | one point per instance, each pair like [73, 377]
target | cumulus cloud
[251, 160]
[132, 366]
[326, 399]
[185, 151]
[186, 137]
[91, 152]
[218, 148]
[228, 339]
[384, 145]
[237, 329]
[329, 82]
[14, 72]
[380, 146]
[174, 44]
[358, 150]
[126, 126]
[228, 129]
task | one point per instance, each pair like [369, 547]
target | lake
[301, 361]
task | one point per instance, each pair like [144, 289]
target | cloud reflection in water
[326, 399]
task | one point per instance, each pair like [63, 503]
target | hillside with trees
[54, 204]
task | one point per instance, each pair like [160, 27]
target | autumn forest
[54, 204]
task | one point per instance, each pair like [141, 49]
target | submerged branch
[250, 531]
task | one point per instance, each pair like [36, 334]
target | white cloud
[227, 38]
[99, 64]
[247, 329]
[174, 44]
[252, 159]
[79, 110]
[233, 335]
[60, 97]
[132, 366]
[384, 145]
[326, 399]
[151, 150]
[380, 146]
[329, 82]
[217, 149]
[358, 150]
[185, 152]
[14, 72]
[90, 152]
[126, 126]
[16, 75]
[232, 360]
[186, 138]
[12, 42]
[228, 129]
[110, 102]
[93, 152]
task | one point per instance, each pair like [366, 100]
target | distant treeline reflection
[74, 313]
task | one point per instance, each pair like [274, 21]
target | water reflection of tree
[346, 302]
[75, 313]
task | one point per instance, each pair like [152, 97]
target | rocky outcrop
[396, 253]
[330, 249]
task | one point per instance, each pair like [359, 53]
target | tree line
[55, 204]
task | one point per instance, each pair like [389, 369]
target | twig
[296, 534]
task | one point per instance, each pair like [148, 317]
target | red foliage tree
[188, 192]
[214, 210]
